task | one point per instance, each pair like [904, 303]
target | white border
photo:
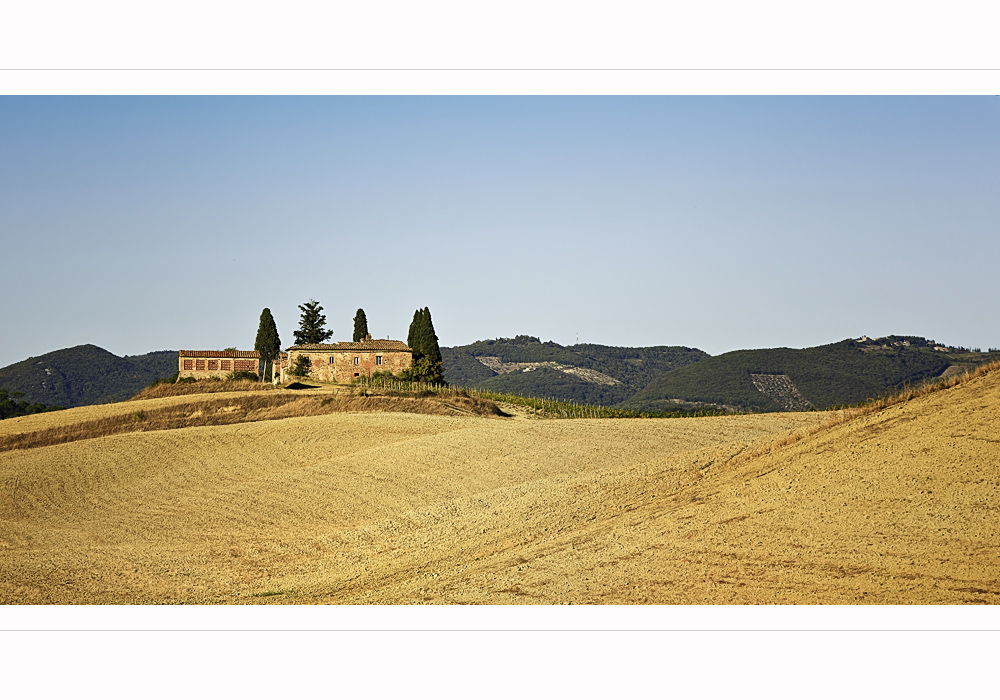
[501, 618]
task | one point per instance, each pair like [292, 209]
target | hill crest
[85, 375]
[778, 379]
[586, 373]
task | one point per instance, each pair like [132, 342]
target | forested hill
[597, 374]
[846, 372]
[85, 374]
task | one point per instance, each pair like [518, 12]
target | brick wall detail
[203, 364]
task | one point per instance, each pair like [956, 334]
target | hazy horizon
[146, 223]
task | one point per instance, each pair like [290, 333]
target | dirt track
[897, 507]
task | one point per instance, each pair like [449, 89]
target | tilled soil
[895, 507]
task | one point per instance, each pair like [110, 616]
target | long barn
[202, 364]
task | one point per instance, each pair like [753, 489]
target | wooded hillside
[846, 372]
[85, 375]
[530, 367]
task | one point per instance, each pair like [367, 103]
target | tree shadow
[300, 385]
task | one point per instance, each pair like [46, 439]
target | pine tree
[360, 326]
[312, 325]
[268, 344]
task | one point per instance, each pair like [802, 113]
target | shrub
[423, 370]
[166, 380]
[302, 366]
[242, 375]
[376, 377]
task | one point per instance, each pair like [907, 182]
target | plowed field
[899, 506]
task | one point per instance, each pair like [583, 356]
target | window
[331, 359]
[355, 374]
[199, 364]
[378, 359]
[188, 364]
[226, 365]
[213, 364]
[356, 361]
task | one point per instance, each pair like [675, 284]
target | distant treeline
[12, 406]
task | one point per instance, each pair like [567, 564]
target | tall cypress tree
[312, 325]
[431, 347]
[412, 338]
[268, 344]
[427, 366]
[360, 326]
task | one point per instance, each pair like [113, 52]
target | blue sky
[148, 223]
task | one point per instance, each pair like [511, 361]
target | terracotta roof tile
[253, 354]
[396, 345]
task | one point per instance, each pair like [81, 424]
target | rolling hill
[662, 378]
[85, 375]
[892, 506]
[842, 373]
[586, 373]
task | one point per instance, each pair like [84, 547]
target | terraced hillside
[585, 373]
[897, 506]
[842, 373]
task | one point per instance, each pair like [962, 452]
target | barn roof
[252, 354]
[393, 345]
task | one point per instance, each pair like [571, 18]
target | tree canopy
[12, 406]
[360, 326]
[268, 344]
[426, 350]
[312, 325]
[422, 338]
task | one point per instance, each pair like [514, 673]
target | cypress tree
[431, 347]
[360, 326]
[412, 339]
[268, 344]
[427, 366]
[312, 325]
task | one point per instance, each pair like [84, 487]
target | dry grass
[897, 505]
[838, 417]
[205, 386]
[908, 394]
[245, 409]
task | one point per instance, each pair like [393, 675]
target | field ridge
[892, 502]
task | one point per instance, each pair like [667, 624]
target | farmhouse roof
[396, 345]
[220, 353]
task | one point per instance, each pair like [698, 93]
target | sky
[722, 223]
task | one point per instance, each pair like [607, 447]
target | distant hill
[595, 374]
[662, 378]
[85, 375]
[846, 372]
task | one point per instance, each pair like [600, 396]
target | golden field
[894, 506]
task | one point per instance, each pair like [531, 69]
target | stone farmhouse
[202, 364]
[345, 362]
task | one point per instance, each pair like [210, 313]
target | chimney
[368, 337]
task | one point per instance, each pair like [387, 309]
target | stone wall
[344, 362]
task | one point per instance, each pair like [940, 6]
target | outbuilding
[202, 364]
